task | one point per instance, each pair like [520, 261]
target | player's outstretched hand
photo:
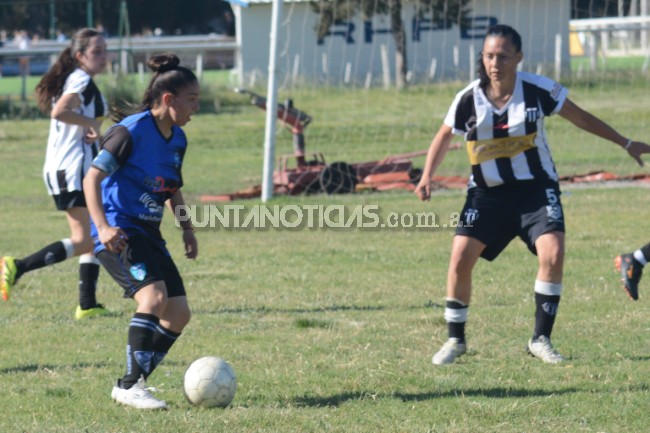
[637, 149]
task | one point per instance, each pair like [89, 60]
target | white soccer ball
[210, 382]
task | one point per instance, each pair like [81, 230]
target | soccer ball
[210, 382]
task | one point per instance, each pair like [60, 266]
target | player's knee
[82, 245]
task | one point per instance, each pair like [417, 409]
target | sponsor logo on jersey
[485, 150]
[151, 204]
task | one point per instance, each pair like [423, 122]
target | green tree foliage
[172, 16]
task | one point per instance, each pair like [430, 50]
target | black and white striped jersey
[508, 145]
[68, 157]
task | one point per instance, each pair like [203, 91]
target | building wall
[352, 54]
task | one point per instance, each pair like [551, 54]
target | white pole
[239, 64]
[271, 105]
[385, 65]
[199, 65]
[644, 32]
[558, 56]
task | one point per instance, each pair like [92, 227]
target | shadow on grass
[326, 309]
[32, 368]
[264, 310]
[336, 400]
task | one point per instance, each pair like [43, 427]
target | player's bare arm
[113, 238]
[189, 240]
[592, 124]
[437, 151]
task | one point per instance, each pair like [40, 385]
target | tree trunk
[397, 29]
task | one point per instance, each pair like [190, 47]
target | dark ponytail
[168, 77]
[51, 85]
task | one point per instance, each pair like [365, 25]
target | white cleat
[542, 348]
[138, 397]
[449, 351]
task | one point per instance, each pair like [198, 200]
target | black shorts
[141, 263]
[68, 200]
[497, 215]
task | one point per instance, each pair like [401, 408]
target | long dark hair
[51, 85]
[504, 31]
[168, 77]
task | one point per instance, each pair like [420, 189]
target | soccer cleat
[98, 310]
[631, 271]
[542, 348]
[8, 276]
[449, 351]
[137, 396]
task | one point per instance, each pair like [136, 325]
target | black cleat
[631, 271]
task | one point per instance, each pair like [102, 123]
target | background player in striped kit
[513, 189]
[76, 107]
[136, 173]
[630, 266]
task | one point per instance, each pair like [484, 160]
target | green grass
[333, 330]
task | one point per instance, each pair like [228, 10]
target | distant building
[352, 53]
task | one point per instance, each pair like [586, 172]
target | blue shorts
[497, 215]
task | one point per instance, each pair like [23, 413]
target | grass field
[333, 330]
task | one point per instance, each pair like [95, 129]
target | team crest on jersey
[138, 271]
[532, 114]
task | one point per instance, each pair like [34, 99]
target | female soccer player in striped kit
[136, 173]
[77, 109]
[513, 189]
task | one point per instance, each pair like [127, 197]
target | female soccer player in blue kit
[136, 173]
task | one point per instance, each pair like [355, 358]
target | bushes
[11, 107]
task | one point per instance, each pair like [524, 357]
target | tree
[444, 13]
[171, 16]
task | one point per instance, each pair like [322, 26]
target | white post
[644, 32]
[271, 105]
[385, 65]
[239, 64]
[124, 62]
[432, 68]
[472, 63]
[558, 57]
[141, 72]
[296, 69]
[199, 65]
